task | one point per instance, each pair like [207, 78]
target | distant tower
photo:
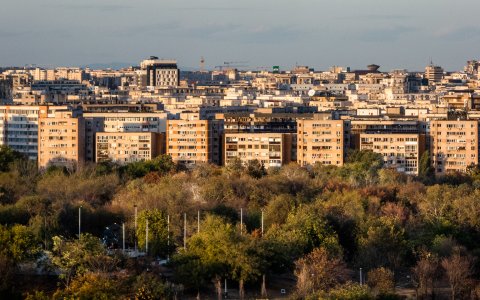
[202, 64]
[433, 73]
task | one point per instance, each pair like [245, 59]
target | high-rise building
[433, 73]
[191, 140]
[161, 72]
[454, 145]
[270, 149]
[96, 122]
[324, 141]
[128, 147]
[19, 127]
[5, 89]
[401, 152]
[61, 139]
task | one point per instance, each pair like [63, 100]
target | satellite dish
[312, 92]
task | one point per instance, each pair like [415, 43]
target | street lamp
[135, 233]
[79, 221]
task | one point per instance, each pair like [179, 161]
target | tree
[424, 273]
[245, 262]
[319, 271]
[91, 286]
[362, 167]
[255, 169]
[79, 256]
[459, 270]
[162, 164]
[8, 156]
[18, 243]
[207, 251]
[425, 170]
[148, 286]
[383, 244]
[381, 281]
[350, 291]
[157, 232]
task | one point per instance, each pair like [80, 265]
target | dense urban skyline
[406, 34]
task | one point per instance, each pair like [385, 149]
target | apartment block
[322, 141]
[19, 127]
[96, 122]
[454, 145]
[61, 137]
[401, 152]
[160, 72]
[191, 140]
[380, 125]
[128, 147]
[271, 149]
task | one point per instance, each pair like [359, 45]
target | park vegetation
[311, 228]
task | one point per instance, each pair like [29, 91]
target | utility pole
[361, 277]
[45, 230]
[123, 237]
[241, 221]
[168, 237]
[79, 221]
[198, 222]
[135, 233]
[146, 237]
[184, 231]
[226, 292]
[262, 222]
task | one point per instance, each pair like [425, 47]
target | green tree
[8, 156]
[157, 232]
[255, 169]
[18, 243]
[362, 167]
[425, 170]
[149, 286]
[80, 256]
[350, 291]
[91, 286]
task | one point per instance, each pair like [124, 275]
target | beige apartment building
[401, 152]
[61, 136]
[96, 122]
[19, 127]
[191, 140]
[322, 141]
[271, 149]
[128, 147]
[454, 145]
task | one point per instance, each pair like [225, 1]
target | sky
[395, 34]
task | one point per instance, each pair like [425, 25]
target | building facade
[19, 127]
[161, 73]
[454, 145]
[324, 141]
[61, 136]
[401, 152]
[270, 149]
[191, 141]
[141, 122]
[128, 147]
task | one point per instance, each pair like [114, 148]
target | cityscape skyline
[394, 35]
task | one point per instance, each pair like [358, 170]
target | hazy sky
[318, 33]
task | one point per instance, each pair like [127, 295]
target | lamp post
[79, 221]
[135, 226]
